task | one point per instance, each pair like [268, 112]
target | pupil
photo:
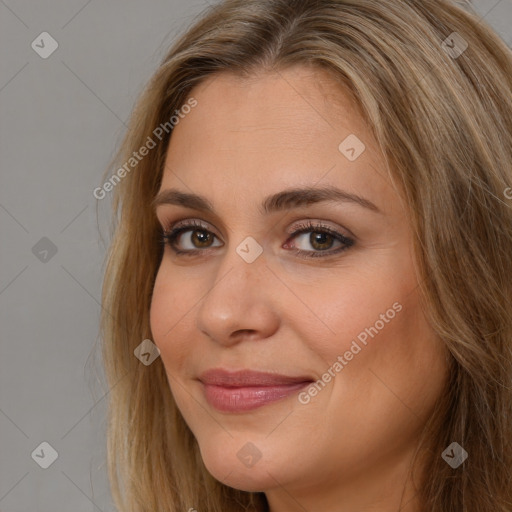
[320, 239]
[201, 236]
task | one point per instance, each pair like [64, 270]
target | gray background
[61, 119]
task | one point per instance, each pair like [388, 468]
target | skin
[349, 449]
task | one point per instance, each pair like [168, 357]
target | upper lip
[242, 378]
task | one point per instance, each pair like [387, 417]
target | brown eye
[317, 240]
[182, 242]
[321, 241]
[201, 238]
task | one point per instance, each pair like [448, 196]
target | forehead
[296, 105]
[268, 132]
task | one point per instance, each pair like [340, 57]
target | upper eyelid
[168, 226]
[185, 222]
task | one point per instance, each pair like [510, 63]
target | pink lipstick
[246, 390]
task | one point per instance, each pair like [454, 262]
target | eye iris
[202, 237]
[318, 238]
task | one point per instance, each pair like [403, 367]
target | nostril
[244, 333]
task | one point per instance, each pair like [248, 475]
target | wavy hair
[443, 122]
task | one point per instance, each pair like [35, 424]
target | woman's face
[331, 312]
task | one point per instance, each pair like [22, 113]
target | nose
[238, 302]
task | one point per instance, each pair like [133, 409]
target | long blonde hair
[442, 115]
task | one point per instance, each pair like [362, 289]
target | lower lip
[248, 398]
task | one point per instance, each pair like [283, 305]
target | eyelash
[168, 237]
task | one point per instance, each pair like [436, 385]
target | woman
[312, 265]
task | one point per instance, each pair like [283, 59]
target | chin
[245, 469]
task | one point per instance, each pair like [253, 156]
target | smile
[247, 390]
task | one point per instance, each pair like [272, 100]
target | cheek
[170, 313]
[358, 309]
[378, 329]
[393, 364]
[391, 373]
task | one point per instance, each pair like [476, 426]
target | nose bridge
[244, 262]
[237, 298]
[236, 276]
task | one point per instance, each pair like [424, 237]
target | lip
[245, 390]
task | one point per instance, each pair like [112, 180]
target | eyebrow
[284, 200]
